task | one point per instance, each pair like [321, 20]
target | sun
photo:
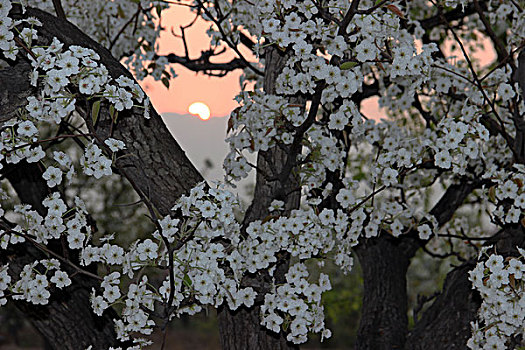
[200, 109]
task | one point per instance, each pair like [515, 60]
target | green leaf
[113, 113]
[348, 65]
[121, 12]
[492, 194]
[95, 109]
[115, 116]
[166, 82]
[187, 280]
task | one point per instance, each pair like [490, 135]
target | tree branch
[457, 13]
[203, 64]
[449, 316]
[59, 9]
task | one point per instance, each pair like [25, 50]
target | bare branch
[457, 13]
[232, 45]
[203, 64]
[59, 9]
[130, 20]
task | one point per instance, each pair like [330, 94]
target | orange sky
[189, 87]
[217, 93]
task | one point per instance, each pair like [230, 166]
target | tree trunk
[241, 329]
[446, 324]
[384, 311]
[67, 321]
[384, 262]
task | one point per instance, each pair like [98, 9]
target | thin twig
[23, 45]
[60, 137]
[225, 38]
[500, 48]
[59, 257]
[131, 19]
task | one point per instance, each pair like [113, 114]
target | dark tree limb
[384, 318]
[59, 9]
[498, 44]
[203, 64]
[452, 199]
[225, 37]
[519, 121]
[446, 324]
[452, 15]
[520, 73]
[384, 261]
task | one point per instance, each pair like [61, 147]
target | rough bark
[67, 321]
[14, 90]
[241, 329]
[384, 321]
[446, 324]
[154, 163]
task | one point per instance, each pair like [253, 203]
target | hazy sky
[202, 141]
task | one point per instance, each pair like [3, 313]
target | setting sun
[200, 109]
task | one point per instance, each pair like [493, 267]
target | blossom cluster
[62, 74]
[216, 271]
[7, 44]
[117, 25]
[34, 283]
[459, 146]
[507, 193]
[500, 281]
